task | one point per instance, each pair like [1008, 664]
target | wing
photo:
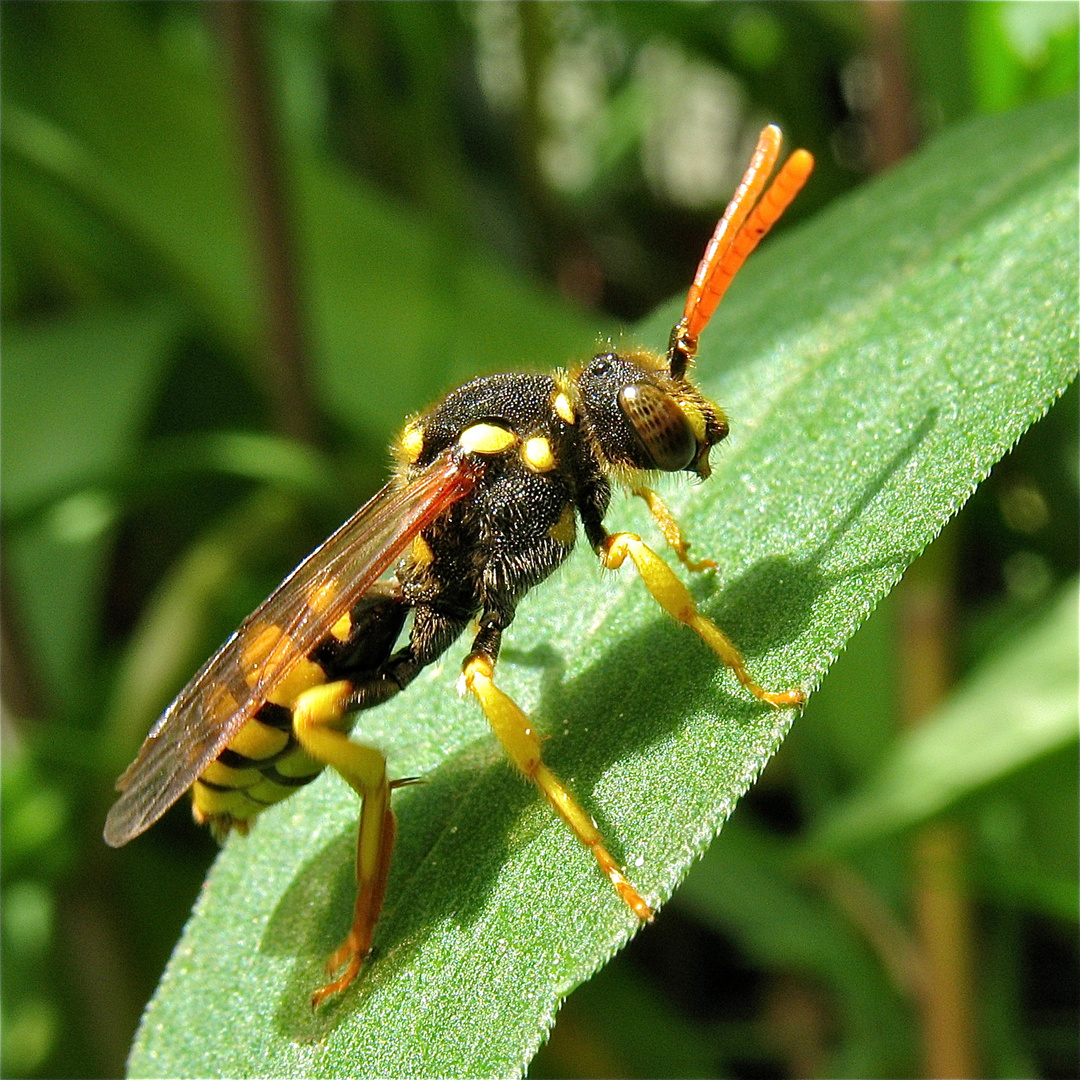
[231, 686]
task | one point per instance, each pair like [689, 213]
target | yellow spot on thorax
[563, 409]
[411, 443]
[421, 552]
[537, 455]
[486, 439]
[321, 598]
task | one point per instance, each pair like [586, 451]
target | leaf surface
[875, 365]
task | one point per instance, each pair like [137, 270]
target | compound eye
[660, 426]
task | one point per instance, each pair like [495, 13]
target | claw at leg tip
[788, 699]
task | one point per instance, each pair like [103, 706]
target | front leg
[667, 524]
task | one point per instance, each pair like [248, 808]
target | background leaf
[1019, 706]
[875, 366]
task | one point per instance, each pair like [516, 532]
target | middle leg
[673, 596]
[667, 524]
[522, 745]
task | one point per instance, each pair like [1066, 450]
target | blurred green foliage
[474, 187]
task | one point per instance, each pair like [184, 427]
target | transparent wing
[231, 686]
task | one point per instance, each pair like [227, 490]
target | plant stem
[286, 352]
[940, 901]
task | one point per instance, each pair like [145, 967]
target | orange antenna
[749, 216]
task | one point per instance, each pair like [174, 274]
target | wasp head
[643, 415]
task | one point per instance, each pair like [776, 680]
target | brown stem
[238, 23]
[98, 972]
[893, 129]
[941, 905]
[20, 689]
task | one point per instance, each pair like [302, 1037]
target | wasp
[484, 504]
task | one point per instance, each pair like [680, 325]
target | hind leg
[317, 715]
[318, 722]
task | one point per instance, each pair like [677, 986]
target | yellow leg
[315, 712]
[671, 594]
[515, 732]
[669, 527]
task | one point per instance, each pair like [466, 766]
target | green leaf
[380, 281]
[76, 394]
[1028, 828]
[875, 365]
[1018, 706]
[163, 648]
[620, 1025]
[148, 144]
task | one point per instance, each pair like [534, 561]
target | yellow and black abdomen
[264, 763]
[261, 766]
